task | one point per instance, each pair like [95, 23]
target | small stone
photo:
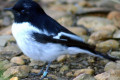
[116, 34]
[35, 71]
[65, 21]
[6, 31]
[109, 28]
[6, 21]
[5, 65]
[84, 4]
[115, 17]
[14, 78]
[116, 54]
[48, 2]
[100, 35]
[12, 39]
[93, 23]
[64, 68]
[84, 77]
[54, 14]
[4, 39]
[36, 63]
[25, 57]
[18, 71]
[69, 74]
[17, 60]
[107, 45]
[102, 76]
[78, 30]
[52, 76]
[10, 51]
[109, 75]
[96, 37]
[109, 66]
[86, 71]
[61, 58]
[113, 14]
[54, 66]
[68, 1]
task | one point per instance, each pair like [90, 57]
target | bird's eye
[22, 11]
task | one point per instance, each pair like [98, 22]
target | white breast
[39, 51]
[35, 50]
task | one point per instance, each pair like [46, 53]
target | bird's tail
[106, 56]
[92, 52]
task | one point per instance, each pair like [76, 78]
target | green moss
[2, 70]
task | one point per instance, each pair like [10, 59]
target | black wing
[68, 41]
[64, 40]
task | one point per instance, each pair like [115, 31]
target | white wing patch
[74, 37]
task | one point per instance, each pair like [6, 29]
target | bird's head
[24, 10]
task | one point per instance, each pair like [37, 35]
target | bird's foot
[46, 72]
[45, 76]
[49, 78]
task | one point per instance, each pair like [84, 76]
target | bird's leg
[41, 71]
[46, 71]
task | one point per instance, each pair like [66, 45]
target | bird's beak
[8, 9]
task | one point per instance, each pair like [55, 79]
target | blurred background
[96, 21]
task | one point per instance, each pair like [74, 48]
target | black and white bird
[42, 38]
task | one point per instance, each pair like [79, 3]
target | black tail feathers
[106, 56]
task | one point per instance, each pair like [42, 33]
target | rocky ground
[96, 21]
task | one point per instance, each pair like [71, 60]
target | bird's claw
[50, 78]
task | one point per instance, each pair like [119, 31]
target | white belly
[36, 50]
[31, 48]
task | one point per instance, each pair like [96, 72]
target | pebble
[107, 45]
[113, 14]
[84, 4]
[69, 74]
[100, 35]
[65, 21]
[86, 71]
[6, 31]
[115, 17]
[17, 60]
[56, 14]
[84, 77]
[52, 76]
[25, 57]
[64, 68]
[61, 58]
[4, 39]
[18, 71]
[54, 66]
[5, 65]
[35, 71]
[6, 21]
[10, 51]
[117, 34]
[115, 54]
[93, 23]
[78, 30]
[102, 76]
[112, 66]
[109, 28]
[68, 1]
[36, 63]
[109, 66]
[109, 75]
[14, 78]
[48, 2]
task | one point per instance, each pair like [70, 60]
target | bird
[42, 38]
